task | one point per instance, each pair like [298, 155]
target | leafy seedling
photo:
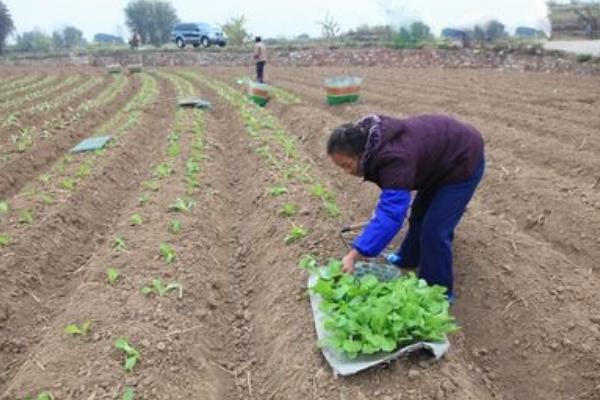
[157, 287]
[4, 240]
[192, 167]
[163, 170]
[69, 184]
[277, 191]
[46, 198]
[174, 150]
[144, 199]
[79, 330]
[119, 243]
[129, 393]
[4, 207]
[151, 185]
[175, 226]
[112, 274]
[288, 210]
[26, 217]
[180, 205]
[296, 234]
[45, 178]
[321, 192]
[167, 252]
[136, 220]
[132, 356]
[83, 170]
[332, 209]
[45, 395]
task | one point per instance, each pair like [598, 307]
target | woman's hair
[349, 139]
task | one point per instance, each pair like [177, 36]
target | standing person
[439, 157]
[135, 40]
[260, 57]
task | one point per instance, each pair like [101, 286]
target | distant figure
[135, 40]
[260, 56]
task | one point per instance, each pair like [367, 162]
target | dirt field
[240, 327]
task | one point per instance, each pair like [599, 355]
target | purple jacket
[419, 152]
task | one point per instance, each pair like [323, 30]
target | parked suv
[197, 34]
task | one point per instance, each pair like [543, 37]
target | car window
[204, 27]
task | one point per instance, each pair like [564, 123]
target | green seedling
[79, 330]
[136, 220]
[288, 210]
[174, 137]
[332, 209]
[180, 205]
[151, 185]
[174, 150]
[4, 240]
[4, 207]
[277, 191]
[321, 192]
[45, 395]
[296, 234]
[129, 393]
[84, 170]
[119, 243]
[192, 167]
[44, 178]
[163, 170]
[157, 287]
[26, 217]
[308, 263]
[132, 356]
[144, 199]
[46, 198]
[175, 226]
[23, 141]
[112, 274]
[61, 167]
[299, 171]
[69, 184]
[192, 182]
[167, 252]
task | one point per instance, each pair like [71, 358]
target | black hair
[349, 139]
[258, 39]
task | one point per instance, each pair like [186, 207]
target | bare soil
[527, 276]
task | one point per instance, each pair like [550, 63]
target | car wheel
[196, 45]
[204, 42]
[221, 44]
[180, 43]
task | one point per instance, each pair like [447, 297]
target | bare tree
[330, 28]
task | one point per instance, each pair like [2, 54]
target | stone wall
[466, 58]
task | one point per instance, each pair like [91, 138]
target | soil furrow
[43, 264]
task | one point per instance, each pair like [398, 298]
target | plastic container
[342, 89]
[259, 93]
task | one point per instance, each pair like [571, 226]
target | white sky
[273, 18]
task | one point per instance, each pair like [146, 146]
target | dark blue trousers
[435, 213]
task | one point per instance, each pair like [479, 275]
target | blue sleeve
[385, 224]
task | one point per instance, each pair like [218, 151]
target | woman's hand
[349, 260]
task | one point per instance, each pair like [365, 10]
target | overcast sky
[274, 18]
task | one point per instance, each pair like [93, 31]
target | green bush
[584, 58]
